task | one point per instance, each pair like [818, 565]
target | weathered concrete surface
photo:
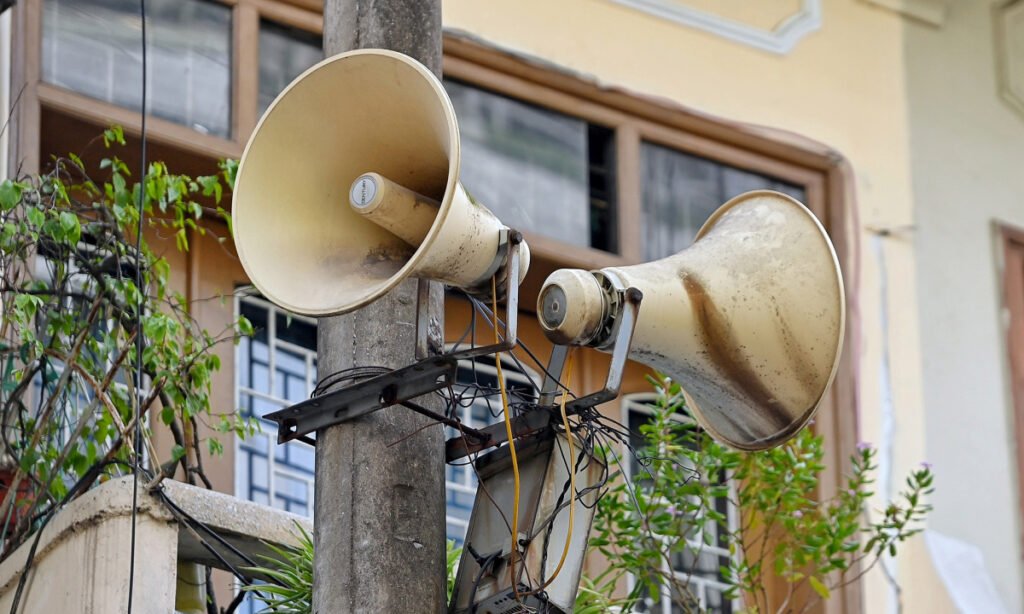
[379, 507]
[81, 563]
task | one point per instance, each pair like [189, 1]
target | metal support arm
[428, 374]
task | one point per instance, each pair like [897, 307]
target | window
[275, 368]
[284, 54]
[537, 169]
[480, 407]
[94, 47]
[681, 190]
[699, 565]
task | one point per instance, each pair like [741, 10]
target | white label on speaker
[363, 191]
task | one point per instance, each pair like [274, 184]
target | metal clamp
[511, 240]
[623, 339]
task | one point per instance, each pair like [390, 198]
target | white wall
[967, 157]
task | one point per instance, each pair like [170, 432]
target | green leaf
[177, 453]
[10, 194]
[71, 227]
[36, 217]
[113, 134]
[819, 588]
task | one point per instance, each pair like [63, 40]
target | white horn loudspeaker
[748, 320]
[350, 184]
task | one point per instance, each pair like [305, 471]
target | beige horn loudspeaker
[749, 320]
[350, 184]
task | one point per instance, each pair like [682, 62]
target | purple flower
[671, 510]
[926, 465]
[798, 514]
[864, 445]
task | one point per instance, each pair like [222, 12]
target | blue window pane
[292, 489]
[260, 475]
[260, 374]
[256, 443]
[242, 362]
[456, 532]
[301, 455]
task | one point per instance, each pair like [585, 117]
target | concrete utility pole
[379, 511]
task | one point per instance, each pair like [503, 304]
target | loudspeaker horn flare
[749, 320]
[350, 184]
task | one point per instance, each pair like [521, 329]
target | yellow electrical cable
[515, 460]
[572, 479]
[511, 443]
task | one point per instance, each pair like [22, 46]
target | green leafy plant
[672, 510]
[288, 572]
[70, 310]
[452, 556]
[657, 528]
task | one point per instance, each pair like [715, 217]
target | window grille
[699, 564]
[275, 368]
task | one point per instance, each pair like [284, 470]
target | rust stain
[727, 355]
[799, 358]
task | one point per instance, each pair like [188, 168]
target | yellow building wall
[967, 158]
[843, 85]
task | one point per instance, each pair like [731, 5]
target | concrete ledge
[243, 524]
[84, 553]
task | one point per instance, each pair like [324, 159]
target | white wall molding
[781, 39]
[1009, 36]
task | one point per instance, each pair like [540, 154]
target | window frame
[1012, 240]
[640, 402]
[266, 428]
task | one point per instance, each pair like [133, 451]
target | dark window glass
[681, 190]
[537, 169]
[94, 47]
[284, 54]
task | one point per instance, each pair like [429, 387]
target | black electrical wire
[484, 565]
[198, 526]
[138, 319]
[350, 374]
[485, 311]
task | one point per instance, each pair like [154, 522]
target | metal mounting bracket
[361, 398]
[428, 374]
[623, 338]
